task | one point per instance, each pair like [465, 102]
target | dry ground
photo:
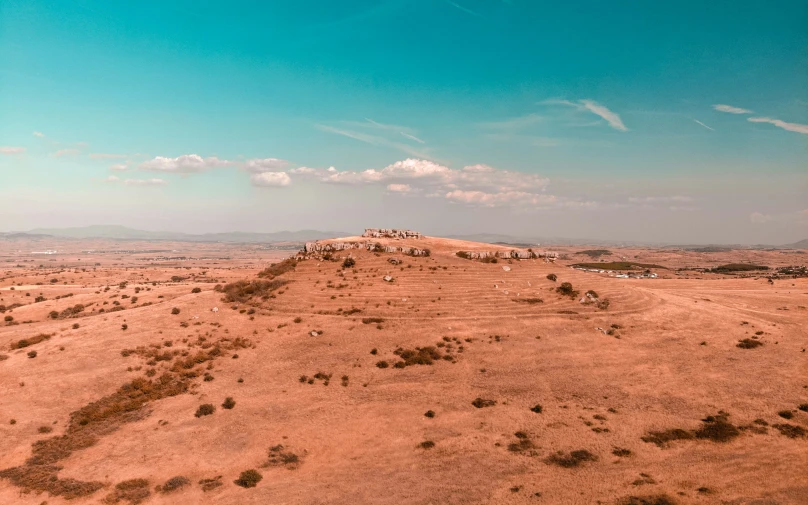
[671, 360]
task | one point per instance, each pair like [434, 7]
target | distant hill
[115, 232]
[802, 244]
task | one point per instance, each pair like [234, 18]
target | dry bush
[749, 343]
[276, 269]
[529, 301]
[791, 431]
[621, 453]
[522, 443]
[566, 289]
[242, 291]
[420, 356]
[536, 408]
[134, 491]
[571, 460]
[205, 409]
[482, 403]
[552, 277]
[427, 444]
[278, 456]
[174, 483]
[372, 320]
[211, 484]
[663, 438]
[25, 342]
[229, 403]
[175, 311]
[659, 499]
[249, 478]
[196, 290]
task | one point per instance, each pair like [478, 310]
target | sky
[676, 122]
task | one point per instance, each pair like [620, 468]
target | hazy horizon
[674, 123]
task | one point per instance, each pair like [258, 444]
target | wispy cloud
[464, 9]
[412, 137]
[106, 156]
[119, 167]
[704, 125]
[373, 140]
[39, 134]
[66, 152]
[595, 108]
[611, 117]
[792, 127]
[259, 165]
[730, 109]
[8, 151]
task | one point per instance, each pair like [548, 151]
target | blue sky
[671, 121]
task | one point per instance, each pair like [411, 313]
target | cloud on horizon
[8, 151]
[185, 164]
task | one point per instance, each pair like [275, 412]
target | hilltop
[366, 376]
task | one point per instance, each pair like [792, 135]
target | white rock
[506, 268]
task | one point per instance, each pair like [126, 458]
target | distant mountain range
[123, 233]
[114, 232]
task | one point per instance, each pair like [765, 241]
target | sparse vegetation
[349, 262]
[280, 456]
[552, 277]
[205, 409]
[482, 403]
[229, 403]
[277, 269]
[134, 491]
[618, 265]
[25, 342]
[249, 478]
[427, 444]
[737, 267]
[529, 301]
[748, 343]
[536, 408]
[372, 320]
[173, 484]
[210, 484]
[566, 289]
[196, 290]
[242, 291]
[570, 460]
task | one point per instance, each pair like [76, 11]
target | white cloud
[111, 178]
[595, 108]
[611, 117]
[66, 152]
[144, 182]
[399, 188]
[792, 127]
[185, 164]
[258, 165]
[105, 156]
[39, 134]
[731, 109]
[758, 218]
[118, 167]
[704, 125]
[271, 179]
[11, 150]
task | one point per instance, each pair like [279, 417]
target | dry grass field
[148, 373]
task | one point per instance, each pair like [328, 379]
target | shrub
[175, 311]
[382, 364]
[748, 343]
[242, 291]
[210, 484]
[44, 429]
[8, 319]
[420, 356]
[790, 430]
[717, 429]
[25, 342]
[372, 320]
[571, 460]
[174, 483]
[279, 457]
[75, 326]
[205, 409]
[124, 326]
[658, 499]
[134, 491]
[348, 263]
[229, 403]
[276, 269]
[592, 293]
[32, 354]
[481, 403]
[529, 301]
[249, 478]
[663, 438]
[430, 414]
[785, 414]
[196, 290]
[566, 289]
[803, 407]
[552, 277]
[298, 319]
[621, 453]
[536, 408]
[427, 444]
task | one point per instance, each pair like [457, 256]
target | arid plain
[455, 382]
